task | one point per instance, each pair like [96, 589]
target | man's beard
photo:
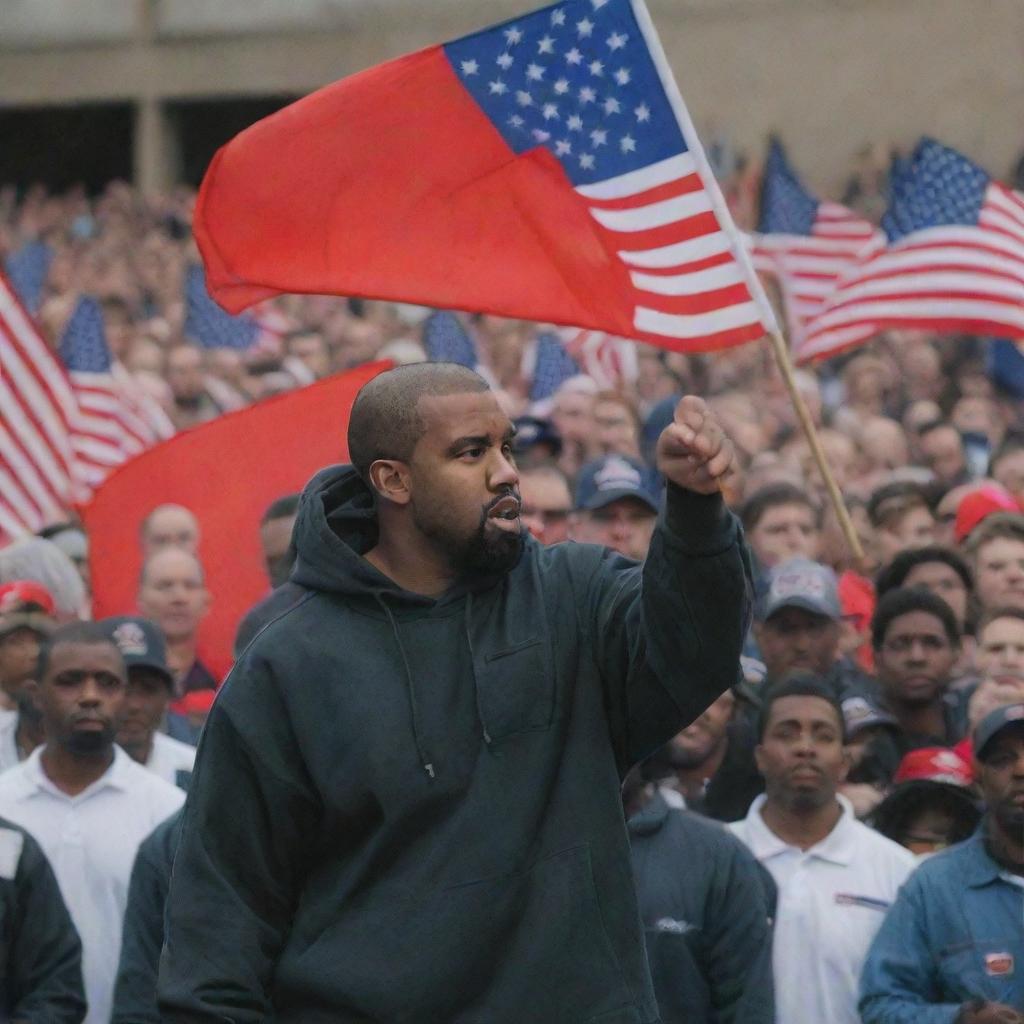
[88, 742]
[485, 553]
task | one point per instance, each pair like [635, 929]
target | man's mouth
[506, 509]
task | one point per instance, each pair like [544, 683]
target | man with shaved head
[173, 594]
[422, 756]
[170, 526]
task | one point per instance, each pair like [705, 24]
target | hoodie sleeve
[237, 874]
[43, 975]
[667, 637]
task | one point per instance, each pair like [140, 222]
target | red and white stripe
[951, 278]
[808, 267]
[610, 361]
[39, 472]
[691, 289]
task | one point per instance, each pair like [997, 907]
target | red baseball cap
[980, 504]
[26, 596]
[934, 764]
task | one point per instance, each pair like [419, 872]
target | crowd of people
[838, 837]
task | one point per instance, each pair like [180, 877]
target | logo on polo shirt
[846, 899]
[616, 474]
[130, 639]
[999, 965]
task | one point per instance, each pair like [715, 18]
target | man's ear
[391, 480]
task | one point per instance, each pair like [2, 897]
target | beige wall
[830, 75]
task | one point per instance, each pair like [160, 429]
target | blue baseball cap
[530, 431]
[612, 478]
[993, 724]
[800, 583]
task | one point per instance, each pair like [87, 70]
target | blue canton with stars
[83, 345]
[936, 187]
[787, 208]
[578, 79]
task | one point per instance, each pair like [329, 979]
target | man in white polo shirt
[83, 799]
[150, 687]
[836, 877]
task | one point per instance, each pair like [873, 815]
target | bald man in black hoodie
[406, 803]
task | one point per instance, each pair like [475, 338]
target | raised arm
[668, 637]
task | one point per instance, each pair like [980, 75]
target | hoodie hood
[335, 528]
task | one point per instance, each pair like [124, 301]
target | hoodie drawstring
[472, 665]
[424, 756]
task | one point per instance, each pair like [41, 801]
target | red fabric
[393, 184]
[935, 764]
[857, 600]
[227, 472]
[15, 596]
[980, 504]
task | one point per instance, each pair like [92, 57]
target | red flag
[227, 472]
[544, 169]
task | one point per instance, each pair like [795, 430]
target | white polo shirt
[170, 756]
[832, 899]
[8, 740]
[90, 841]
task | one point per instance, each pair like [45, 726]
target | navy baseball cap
[993, 724]
[861, 713]
[801, 583]
[141, 644]
[532, 431]
[614, 477]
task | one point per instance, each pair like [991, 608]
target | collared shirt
[169, 757]
[832, 899]
[90, 840]
[955, 933]
[9, 753]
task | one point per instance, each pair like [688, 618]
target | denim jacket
[955, 933]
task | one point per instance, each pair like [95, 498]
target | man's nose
[90, 694]
[504, 473]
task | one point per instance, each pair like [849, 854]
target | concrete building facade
[829, 75]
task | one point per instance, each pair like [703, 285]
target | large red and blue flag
[545, 168]
[954, 261]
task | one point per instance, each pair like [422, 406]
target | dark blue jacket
[955, 933]
[705, 914]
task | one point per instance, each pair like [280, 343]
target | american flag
[954, 260]
[260, 330]
[587, 80]
[447, 340]
[807, 244]
[611, 361]
[552, 366]
[39, 474]
[27, 268]
[110, 426]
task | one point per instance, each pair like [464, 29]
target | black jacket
[407, 809]
[143, 936]
[40, 952]
[705, 912]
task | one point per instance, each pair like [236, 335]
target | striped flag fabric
[807, 244]
[611, 361]
[261, 330]
[109, 427]
[954, 261]
[544, 169]
[39, 475]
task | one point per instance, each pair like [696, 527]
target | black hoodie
[406, 809]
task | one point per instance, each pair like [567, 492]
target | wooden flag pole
[804, 415]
